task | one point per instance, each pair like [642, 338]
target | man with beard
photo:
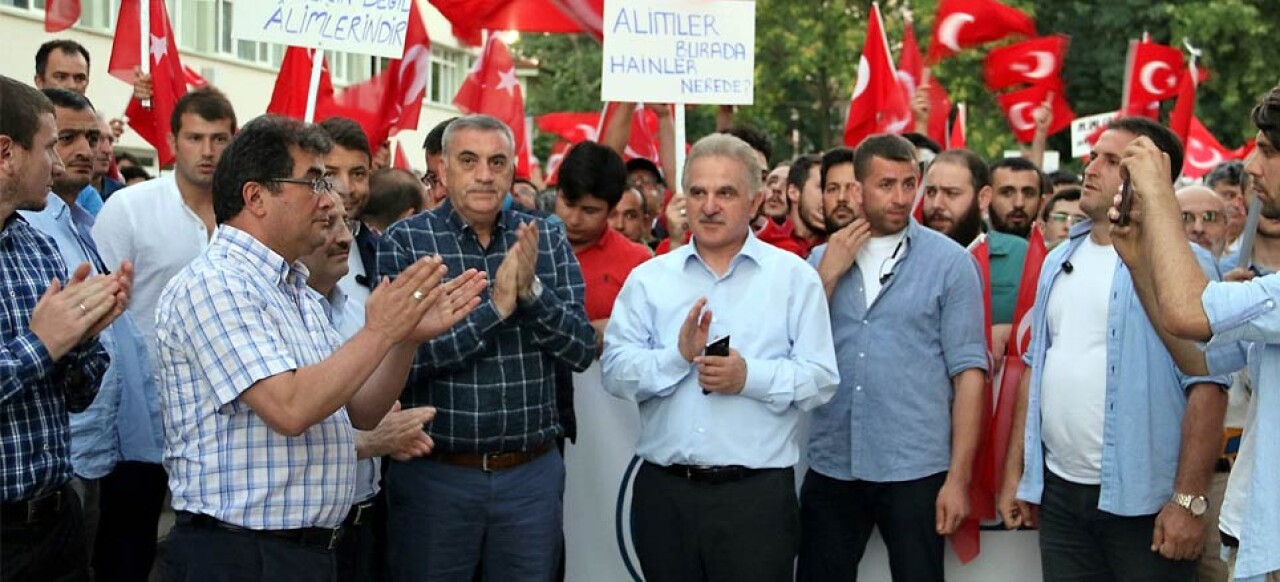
[348, 164]
[957, 192]
[1016, 195]
[776, 205]
[161, 226]
[1204, 216]
[894, 449]
[1117, 497]
[803, 228]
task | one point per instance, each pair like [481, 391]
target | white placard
[669, 51]
[370, 27]
[1082, 127]
[1051, 162]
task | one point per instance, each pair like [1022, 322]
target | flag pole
[144, 40]
[313, 87]
[678, 185]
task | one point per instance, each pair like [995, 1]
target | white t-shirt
[357, 294]
[1074, 385]
[876, 259]
[152, 226]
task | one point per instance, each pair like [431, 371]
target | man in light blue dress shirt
[715, 497]
[1240, 322]
[894, 449]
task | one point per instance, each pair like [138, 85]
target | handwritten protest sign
[665, 51]
[371, 27]
[1082, 128]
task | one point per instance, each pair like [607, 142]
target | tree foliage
[807, 55]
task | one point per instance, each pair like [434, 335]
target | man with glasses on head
[259, 394]
[1204, 216]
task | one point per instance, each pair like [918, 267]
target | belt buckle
[335, 536]
[688, 473]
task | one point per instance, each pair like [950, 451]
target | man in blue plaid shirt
[490, 494]
[50, 360]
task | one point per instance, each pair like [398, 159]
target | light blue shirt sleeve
[636, 364]
[90, 200]
[1243, 311]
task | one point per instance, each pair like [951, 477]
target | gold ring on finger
[82, 308]
[418, 295]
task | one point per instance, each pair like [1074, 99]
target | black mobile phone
[1126, 202]
[719, 348]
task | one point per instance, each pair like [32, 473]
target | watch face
[1199, 505]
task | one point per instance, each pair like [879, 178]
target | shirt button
[865, 322]
[861, 355]
[701, 430]
[858, 388]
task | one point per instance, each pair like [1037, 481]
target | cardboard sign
[671, 51]
[1052, 159]
[371, 27]
[1082, 128]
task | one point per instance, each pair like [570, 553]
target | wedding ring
[418, 295]
[82, 309]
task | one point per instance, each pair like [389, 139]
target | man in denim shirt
[1193, 307]
[1103, 407]
[894, 448]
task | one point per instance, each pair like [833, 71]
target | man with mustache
[1015, 195]
[957, 191]
[894, 449]
[160, 226]
[803, 228]
[1204, 215]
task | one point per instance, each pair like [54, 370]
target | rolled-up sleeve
[1244, 311]
[964, 342]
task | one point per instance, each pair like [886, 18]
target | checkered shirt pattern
[493, 381]
[35, 393]
[236, 315]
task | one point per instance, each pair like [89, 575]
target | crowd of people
[333, 370]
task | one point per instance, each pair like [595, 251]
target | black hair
[799, 172]
[1059, 177]
[67, 99]
[1229, 172]
[645, 165]
[1161, 135]
[1067, 194]
[347, 134]
[922, 141]
[834, 157]
[392, 191]
[64, 45]
[259, 153]
[1266, 116]
[979, 174]
[123, 155]
[130, 172]
[590, 169]
[434, 144]
[754, 138]
[1017, 164]
[209, 103]
[885, 146]
[21, 107]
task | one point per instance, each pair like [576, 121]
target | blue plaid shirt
[35, 392]
[491, 380]
[236, 315]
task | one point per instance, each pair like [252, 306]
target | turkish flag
[1030, 62]
[1184, 109]
[193, 78]
[60, 15]
[558, 151]
[643, 142]
[493, 89]
[955, 136]
[470, 17]
[399, 160]
[572, 127]
[1019, 105]
[289, 98]
[168, 79]
[912, 75]
[1151, 75]
[960, 24]
[1203, 151]
[877, 105]
[966, 541]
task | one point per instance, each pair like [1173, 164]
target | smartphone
[719, 348]
[1126, 202]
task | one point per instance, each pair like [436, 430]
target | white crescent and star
[1193, 146]
[508, 82]
[1018, 118]
[1044, 62]
[416, 62]
[588, 132]
[949, 30]
[864, 77]
[159, 48]
[1147, 74]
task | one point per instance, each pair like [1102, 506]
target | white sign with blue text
[679, 51]
[369, 27]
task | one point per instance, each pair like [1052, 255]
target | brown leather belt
[490, 462]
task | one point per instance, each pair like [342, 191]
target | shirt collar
[459, 224]
[244, 247]
[751, 250]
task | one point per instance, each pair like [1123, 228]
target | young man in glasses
[1060, 214]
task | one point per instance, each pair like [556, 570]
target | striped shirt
[491, 380]
[236, 315]
[35, 392]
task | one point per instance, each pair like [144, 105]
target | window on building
[449, 67]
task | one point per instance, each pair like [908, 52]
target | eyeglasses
[1208, 216]
[322, 185]
[1068, 218]
[430, 179]
[353, 226]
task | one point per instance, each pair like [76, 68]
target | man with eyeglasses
[894, 448]
[259, 393]
[1204, 216]
[490, 495]
[434, 149]
[1060, 213]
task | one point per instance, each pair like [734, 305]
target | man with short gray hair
[719, 422]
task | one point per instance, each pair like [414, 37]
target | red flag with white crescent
[877, 105]
[1152, 76]
[1019, 105]
[1203, 151]
[1030, 62]
[960, 24]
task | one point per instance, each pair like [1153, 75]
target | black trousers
[51, 549]
[362, 554]
[204, 554]
[740, 531]
[838, 517]
[1079, 542]
[131, 499]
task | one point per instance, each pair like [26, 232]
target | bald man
[1204, 217]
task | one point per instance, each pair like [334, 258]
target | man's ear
[984, 199]
[793, 194]
[7, 154]
[255, 198]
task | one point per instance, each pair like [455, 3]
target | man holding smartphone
[715, 498]
[1112, 445]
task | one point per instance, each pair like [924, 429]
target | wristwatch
[535, 290]
[1194, 504]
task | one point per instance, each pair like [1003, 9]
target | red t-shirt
[784, 237]
[605, 267]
